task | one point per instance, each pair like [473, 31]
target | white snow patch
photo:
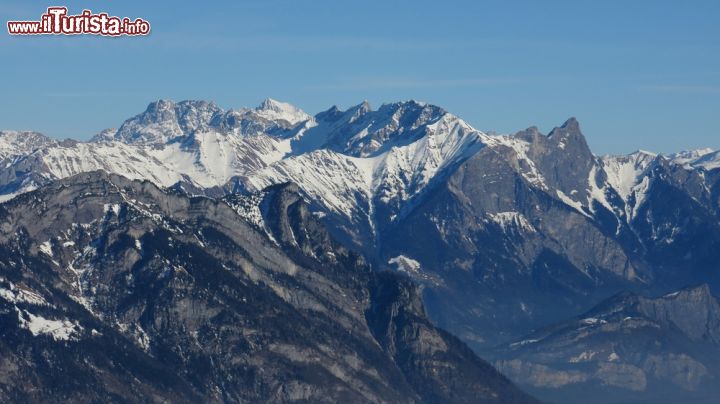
[583, 357]
[46, 248]
[405, 264]
[21, 295]
[112, 207]
[570, 202]
[59, 330]
[524, 342]
[640, 191]
[625, 172]
[597, 193]
[512, 220]
[593, 321]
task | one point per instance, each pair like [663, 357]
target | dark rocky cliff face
[435, 363]
[114, 290]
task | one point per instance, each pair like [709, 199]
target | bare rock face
[639, 348]
[116, 290]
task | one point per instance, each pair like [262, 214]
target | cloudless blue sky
[637, 74]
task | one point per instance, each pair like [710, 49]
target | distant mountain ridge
[631, 343]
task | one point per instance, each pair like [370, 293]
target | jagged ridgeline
[505, 235]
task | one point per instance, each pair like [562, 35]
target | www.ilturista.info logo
[57, 22]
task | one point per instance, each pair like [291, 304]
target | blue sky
[637, 74]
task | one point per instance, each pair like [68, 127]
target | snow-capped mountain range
[364, 170]
[343, 159]
[506, 233]
[346, 161]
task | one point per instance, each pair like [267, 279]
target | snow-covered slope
[630, 176]
[407, 170]
[206, 159]
[353, 183]
[191, 141]
[337, 182]
[625, 172]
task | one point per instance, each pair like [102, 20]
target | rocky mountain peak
[568, 136]
[571, 127]
[331, 114]
[364, 107]
[270, 104]
[160, 105]
[276, 110]
[563, 159]
[356, 112]
[165, 119]
[530, 135]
